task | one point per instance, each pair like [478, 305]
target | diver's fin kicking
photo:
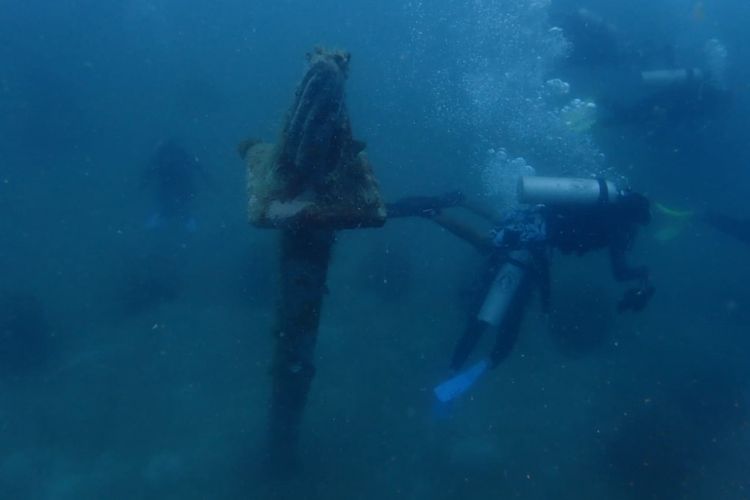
[454, 387]
[673, 222]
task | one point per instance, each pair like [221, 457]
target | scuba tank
[567, 191]
[504, 288]
[664, 77]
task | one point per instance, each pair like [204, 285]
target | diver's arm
[544, 280]
[423, 206]
[636, 298]
[482, 211]
[621, 270]
[413, 206]
[478, 239]
[620, 241]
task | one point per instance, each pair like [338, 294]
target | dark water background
[141, 367]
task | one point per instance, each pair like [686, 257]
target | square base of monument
[347, 198]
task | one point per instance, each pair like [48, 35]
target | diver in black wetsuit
[732, 226]
[687, 99]
[171, 173]
[596, 43]
[642, 85]
[593, 40]
[520, 248]
[590, 215]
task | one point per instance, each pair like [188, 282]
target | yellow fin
[680, 214]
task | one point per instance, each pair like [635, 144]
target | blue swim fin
[454, 387]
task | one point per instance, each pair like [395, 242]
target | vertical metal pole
[305, 255]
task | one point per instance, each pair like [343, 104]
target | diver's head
[636, 207]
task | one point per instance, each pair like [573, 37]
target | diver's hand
[423, 206]
[429, 213]
[636, 299]
[446, 200]
[451, 199]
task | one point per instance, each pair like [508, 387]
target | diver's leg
[467, 342]
[510, 327]
[476, 326]
[503, 295]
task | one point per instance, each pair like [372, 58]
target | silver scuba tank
[503, 288]
[566, 191]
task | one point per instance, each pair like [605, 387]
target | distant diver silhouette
[171, 174]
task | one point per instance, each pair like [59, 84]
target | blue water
[135, 345]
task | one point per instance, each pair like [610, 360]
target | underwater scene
[406, 249]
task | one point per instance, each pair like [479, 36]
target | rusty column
[314, 181]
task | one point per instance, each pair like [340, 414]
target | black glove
[424, 206]
[451, 199]
[447, 200]
[636, 299]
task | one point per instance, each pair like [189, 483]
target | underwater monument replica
[313, 181]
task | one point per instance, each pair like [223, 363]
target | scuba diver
[596, 43]
[574, 216]
[593, 40]
[171, 173]
[637, 84]
[671, 96]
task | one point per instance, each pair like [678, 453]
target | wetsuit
[171, 173]
[524, 239]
